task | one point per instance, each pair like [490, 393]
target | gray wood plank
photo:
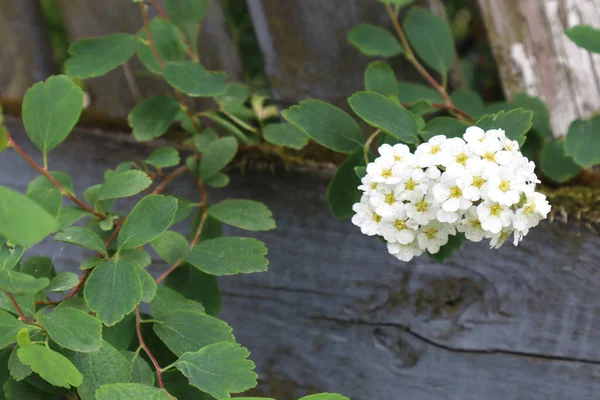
[336, 313]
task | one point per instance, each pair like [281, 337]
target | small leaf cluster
[85, 336]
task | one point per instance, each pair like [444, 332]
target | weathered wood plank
[535, 56]
[336, 313]
[25, 52]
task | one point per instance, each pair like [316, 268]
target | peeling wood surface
[336, 313]
[535, 56]
[25, 52]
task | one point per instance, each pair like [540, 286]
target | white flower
[399, 229]
[423, 210]
[382, 170]
[491, 149]
[414, 185]
[499, 238]
[386, 200]
[434, 235]
[535, 209]
[471, 226]
[454, 153]
[399, 152]
[428, 153]
[367, 184]
[455, 190]
[474, 134]
[494, 216]
[404, 252]
[505, 186]
[366, 218]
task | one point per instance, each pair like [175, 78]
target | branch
[169, 178]
[367, 145]
[161, 13]
[22, 316]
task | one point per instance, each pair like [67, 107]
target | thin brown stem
[187, 110]
[161, 13]
[169, 178]
[22, 316]
[368, 143]
[47, 175]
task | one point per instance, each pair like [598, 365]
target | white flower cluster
[481, 186]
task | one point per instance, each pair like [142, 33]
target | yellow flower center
[400, 225]
[431, 233]
[386, 173]
[373, 185]
[390, 198]
[490, 156]
[376, 217]
[422, 206]
[504, 186]
[476, 223]
[435, 149]
[530, 209]
[478, 181]
[496, 210]
[410, 184]
[455, 192]
[397, 157]
[461, 158]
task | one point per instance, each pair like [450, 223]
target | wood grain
[335, 312]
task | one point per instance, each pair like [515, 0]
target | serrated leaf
[541, 117]
[121, 334]
[196, 285]
[179, 386]
[68, 215]
[62, 281]
[73, 329]
[244, 214]
[327, 125]
[202, 140]
[372, 40]
[431, 38]
[326, 396]
[9, 327]
[516, 123]
[585, 36]
[153, 116]
[148, 285]
[168, 41]
[187, 15]
[288, 135]
[386, 114]
[9, 255]
[171, 246]
[469, 102]
[18, 370]
[229, 256]
[163, 157]
[92, 57]
[53, 367]
[50, 110]
[556, 164]
[168, 301]
[121, 297]
[138, 229]
[380, 78]
[14, 390]
[83, 237]
[19, 283]
[409, 92]
[124, 184]
[130, 391]
[220, 180]
[218, 154]
[179, 331]
[219, 369]
[583, 142]
[454, 243]
[448, 126]
[140, 370]
[193, 80]
[342, 191]
[102, 367]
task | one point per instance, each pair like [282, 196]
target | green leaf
[227, 126]
[148, 285]
[229, 256]
[454, 243]
[171, 246]
[3, 138]
[327, 125]
[68, 215]
[386, 114]
[219, 369]
[147, 221]
[19, 283]
[541, 117]
[91, 195]
[62, 281]
[516, 123]
[168, 41]
[469, 102]
[152, 117]
[90, 262]
[49, 199]
[196, 285]
[380, 78]
[585, 36]
[237, 93]
[124, 184]
[288, 135]
[92, 57]
[168, 301]
[14, 390]
[53, 367]
[202, 140]
[448, 126]
[179, 386]
[184, 209]
[556, 164]
[409, 92]
[343, 191]
[9, 255]
[373, 40]
[179, 331]
[121, 334]
[50, 110]
[112, 303]
[76, 330]
[218, 154]
[431, 38]
[9, 327]
[83, 237]
[244, 214]
[23, 338]
[193, 80]
[326, 396]
[130, 391]
[187, 15]
[583, 142]
[138, 257]
[220, 180]
[140, 370]
[102, 367]
[163, 157]
[18, 370]
[25, 302]
[399, 3]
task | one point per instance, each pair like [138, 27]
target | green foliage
[19, 283]
[171, 246]
[516, 123]
[167, 40]
[229, 256]
[342, 192]
[409, 92]
[196, 285]
[218, 154]
[469, 101]
[585, 36]
[153, 116]
[286, 135]
[373, 40]
[194, 80]
[541, 117]
[244, 214]
[556, 164]
[583, 142]
[163, 157]
[52, 366]
[450, 127]
[168, 301]
[91, 57]
[187, 15]
[9, 327]
[73, 329]
[380, 78]
[129, 391]
[83, 237]
[454, 243]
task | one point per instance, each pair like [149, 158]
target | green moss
[574, 202]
